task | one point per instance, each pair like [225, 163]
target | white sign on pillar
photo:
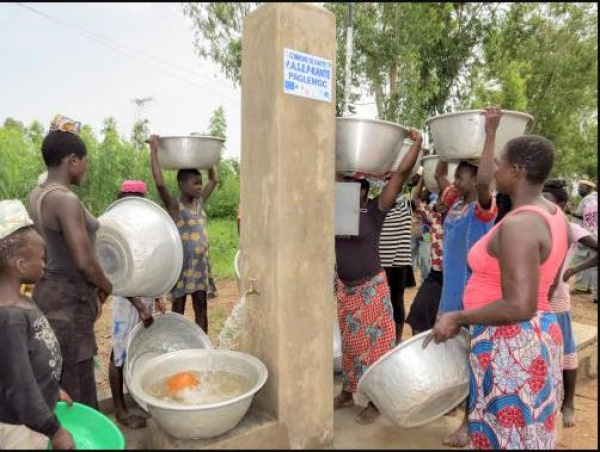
[307, 75]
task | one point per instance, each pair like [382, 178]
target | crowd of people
[494, 251]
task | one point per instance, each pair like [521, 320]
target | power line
[108, 43]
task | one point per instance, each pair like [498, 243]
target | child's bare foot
[368, 415]
[133, 421]
[343, 400]
[568, 415]
[460, 438]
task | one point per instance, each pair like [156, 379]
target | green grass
[223, 241]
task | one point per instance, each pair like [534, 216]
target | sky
[50, 68]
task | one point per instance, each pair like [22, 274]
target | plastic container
[461, 135]
[91, 430]
[139, 248]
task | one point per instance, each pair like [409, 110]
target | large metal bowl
[412, 386]
[199, 421]
[429, 163]
[404, 148]
[337, 347]
[201, 152]
[367, 145]
[170, 332]
[461, 135]
[139, 248]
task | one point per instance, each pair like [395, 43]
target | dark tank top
[58, 256]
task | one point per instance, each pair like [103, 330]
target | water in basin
[211, 387]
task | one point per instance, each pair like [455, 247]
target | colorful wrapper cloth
[65, 124]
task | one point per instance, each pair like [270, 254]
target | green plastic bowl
[90, 428]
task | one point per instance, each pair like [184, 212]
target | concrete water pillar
[287, 205]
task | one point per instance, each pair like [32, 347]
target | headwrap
[134, 186]
[65, 124]
[589, 183]
[13, 216]
[473, 162]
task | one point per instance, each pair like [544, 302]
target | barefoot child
[126, 314]
[189, 216]
[31, 357]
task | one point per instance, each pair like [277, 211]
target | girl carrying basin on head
[188, 214]
[472, 210]
[364, 306]
[126, 314]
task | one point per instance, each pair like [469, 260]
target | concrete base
[586, 338]
[255, 431]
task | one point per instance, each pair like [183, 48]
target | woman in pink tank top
[516, 342]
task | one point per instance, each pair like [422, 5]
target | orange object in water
[180, 381]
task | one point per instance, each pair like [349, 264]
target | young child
[126, 314]
[31, 357]
[189, 216]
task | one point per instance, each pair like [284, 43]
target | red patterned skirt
[365, 315]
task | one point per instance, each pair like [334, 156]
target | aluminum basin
[404, 148]
[461, 135]
[412, 386]
[367, 145]
[429, 163]
[139, 248]
[170, 332]
[201, 152]
[199, 421]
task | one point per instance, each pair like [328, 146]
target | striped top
[394, 241]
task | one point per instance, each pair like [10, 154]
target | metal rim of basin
[192, 137]
[404, 344]
[470, 112]
[155, 402]
[374, 121]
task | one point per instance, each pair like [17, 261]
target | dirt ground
[583, 436]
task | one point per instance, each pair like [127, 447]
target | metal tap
[252, 290]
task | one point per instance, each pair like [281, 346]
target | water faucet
[252, 290]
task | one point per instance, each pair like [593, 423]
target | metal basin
[194, 151]
[429, 163]
[366, 145]
[461, 135]
[199, 421]
[139, 248]
[337, 347]
[412, 386]
[169, 333]
[404, 148]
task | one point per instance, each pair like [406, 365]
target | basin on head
[206, 420]
[404, 148]
[195, 151]
[367, 145]
[412, 386]
[429, 163]
[461, 135]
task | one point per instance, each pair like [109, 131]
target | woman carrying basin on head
[363, 297]
[516, 341]
[188, 214]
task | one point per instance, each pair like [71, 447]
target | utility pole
[348, 62]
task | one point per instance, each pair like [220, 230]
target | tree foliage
[418, 60]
